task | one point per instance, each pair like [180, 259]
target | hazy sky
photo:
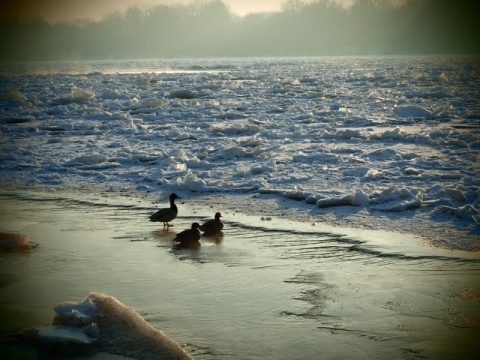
[64, 10]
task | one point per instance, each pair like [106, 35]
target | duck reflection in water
[215, 238]
[166, 235]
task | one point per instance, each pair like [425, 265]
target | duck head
[195, 226]
[174, 196]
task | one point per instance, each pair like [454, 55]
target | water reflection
[15, 241]
[302, 291]
[216, 237]
[165, 234]
[192, 253]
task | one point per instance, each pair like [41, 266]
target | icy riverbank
[377, 142]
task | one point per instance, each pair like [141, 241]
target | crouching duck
[168, 214]
[189, 236]
[212, 226]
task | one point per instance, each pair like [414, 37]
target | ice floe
[102, 323]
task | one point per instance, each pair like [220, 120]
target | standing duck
[168, 214]
[189, 236]
[212, 226]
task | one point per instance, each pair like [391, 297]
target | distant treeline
[211, 29]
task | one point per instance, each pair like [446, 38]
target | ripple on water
[301, 290]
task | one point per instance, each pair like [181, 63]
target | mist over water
[210, 29]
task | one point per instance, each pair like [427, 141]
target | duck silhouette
[212, 226]
[189, 236]
[168, 214]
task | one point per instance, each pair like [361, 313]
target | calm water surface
[266, 289]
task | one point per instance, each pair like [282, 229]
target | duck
[168, 214]
[212, 226]
[189, 236]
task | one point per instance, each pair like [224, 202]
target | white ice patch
[59, 334]
[87, 160]
[400, 203]
[244, 128]
[357, 198]
[268, 167]
[76, 314]
[91, 162]
[349, 134]
[181, 94]
[411, 111]
[78, 96]
[112, 94]
[191, 182]
[467, 212]
[297, 194]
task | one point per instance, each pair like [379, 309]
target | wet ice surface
[264, 289]
[379, 142]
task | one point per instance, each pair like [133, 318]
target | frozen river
[365, 171]
[393, 139]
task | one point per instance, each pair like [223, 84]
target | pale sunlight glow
[68, 10]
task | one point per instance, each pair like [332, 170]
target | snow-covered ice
[102, 318]
[379, 142]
